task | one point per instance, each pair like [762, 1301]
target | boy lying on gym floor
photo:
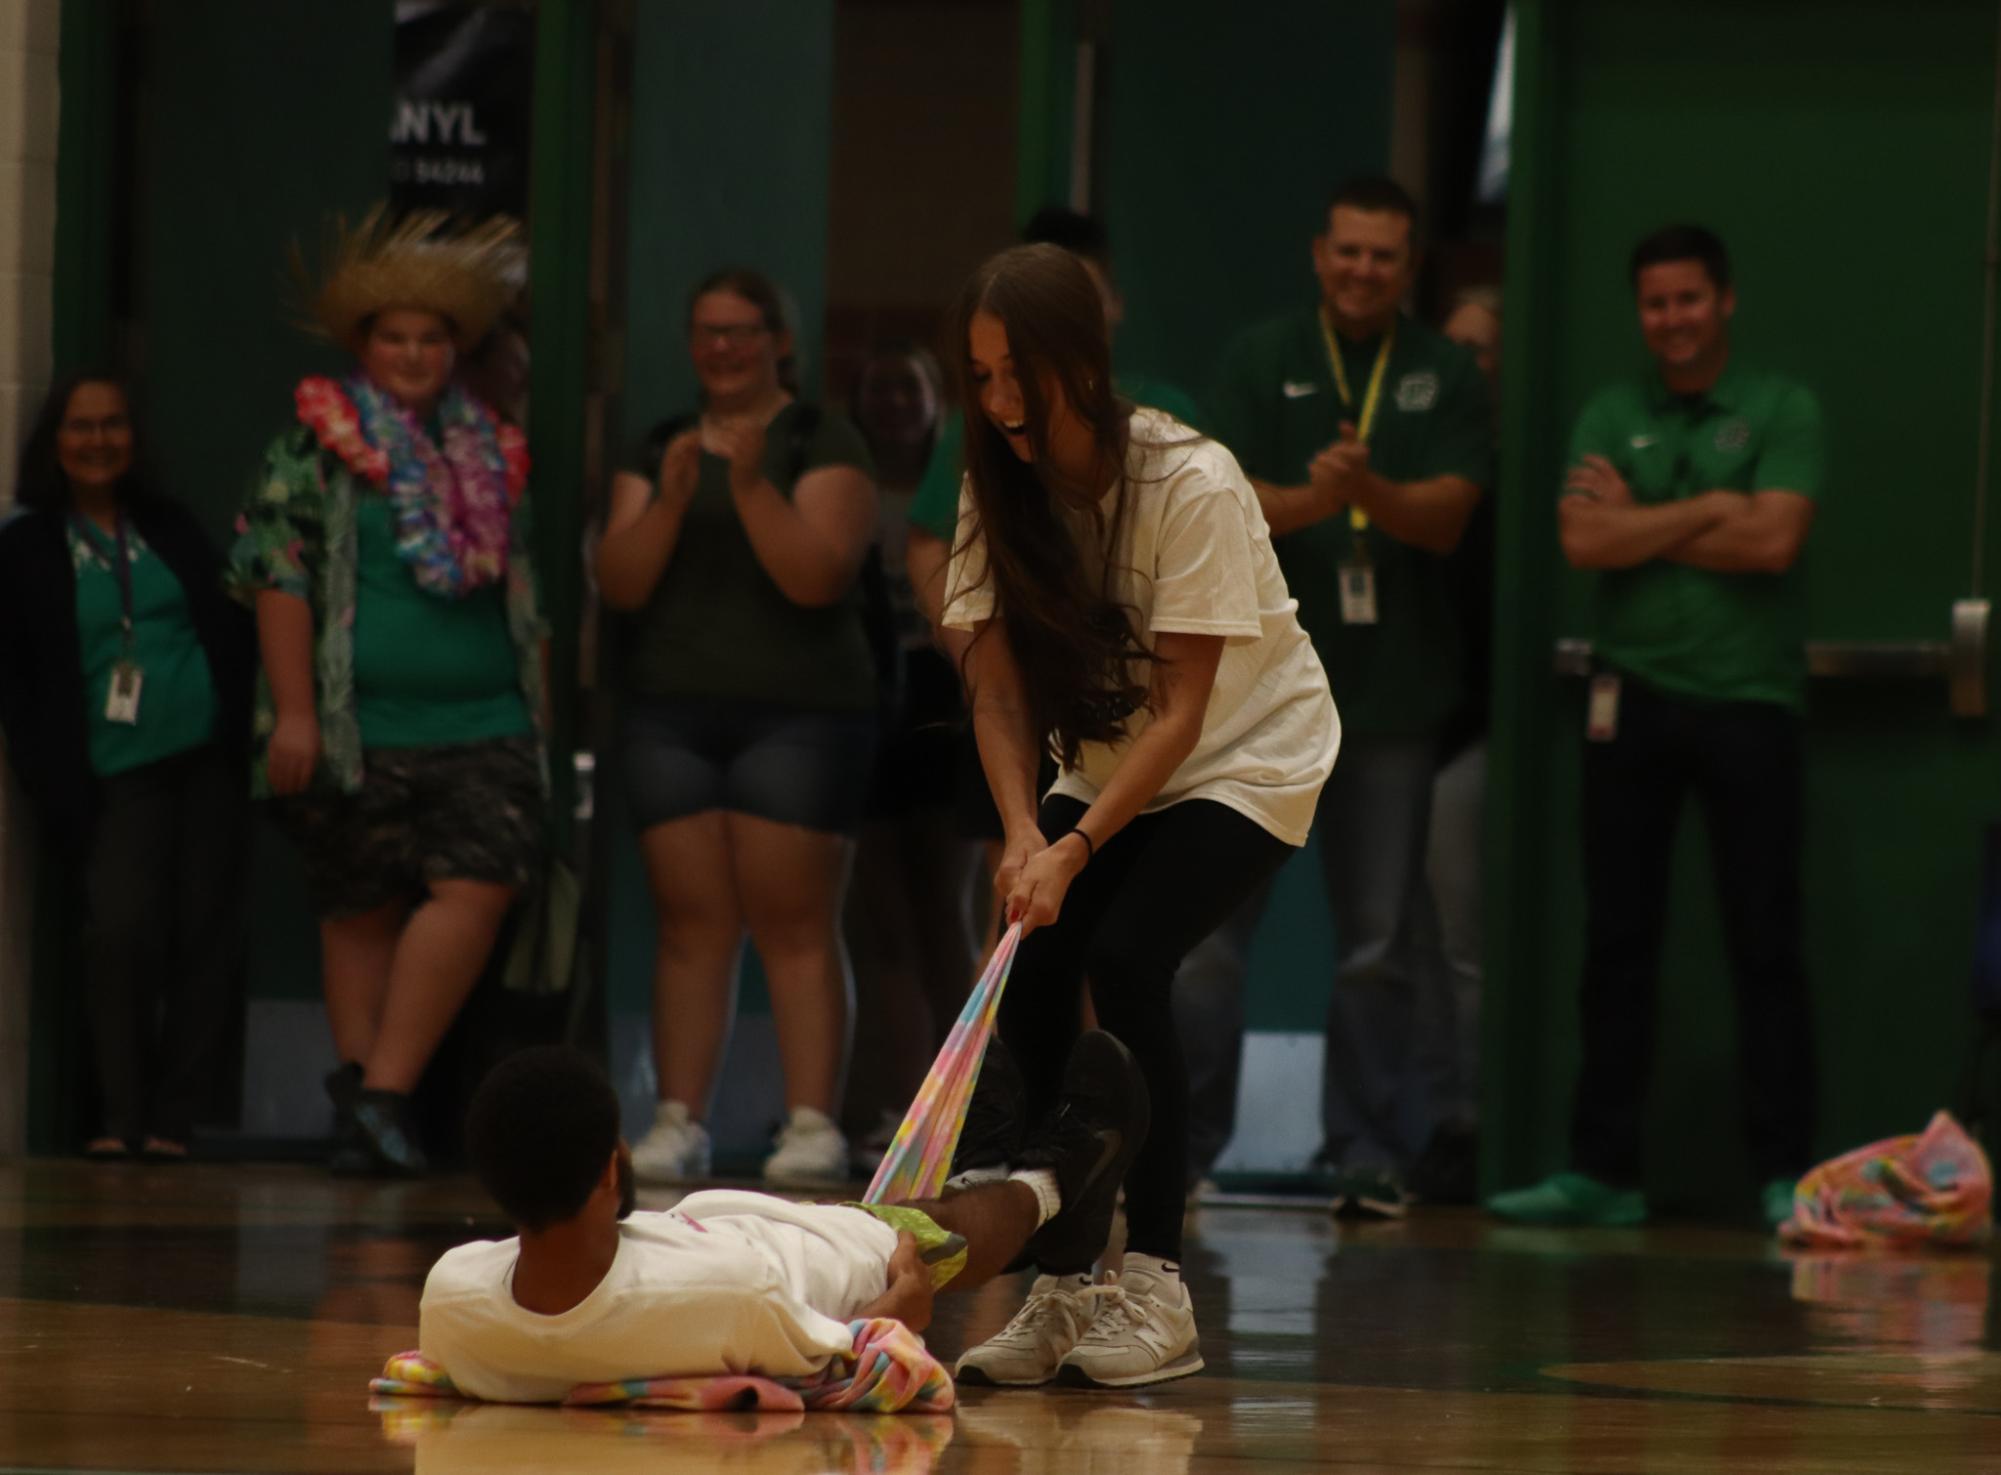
[731, 1281]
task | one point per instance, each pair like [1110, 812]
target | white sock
[1048, 1197]
[1167, 1270]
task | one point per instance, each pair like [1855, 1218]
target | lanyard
[1372, 398]
[119, 556]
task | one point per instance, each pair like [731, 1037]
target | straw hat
[468, 278]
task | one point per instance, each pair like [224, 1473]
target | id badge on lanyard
[1358, 574]
[121, 697]
[121, 694]
[1601, 710]
[1358, 588]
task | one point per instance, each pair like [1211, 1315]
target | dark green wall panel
[1842, 151]
[256, 121]
[1227, 131]
[730, 131]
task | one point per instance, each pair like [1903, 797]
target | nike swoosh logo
[1641, 442]
[1113, 1139]
[1298, 388]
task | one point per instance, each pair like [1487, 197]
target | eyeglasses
[109, 425]
[734, 334]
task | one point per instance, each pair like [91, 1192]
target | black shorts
[455, 812]
[689, 755]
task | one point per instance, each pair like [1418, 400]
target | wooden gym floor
[225, 1318]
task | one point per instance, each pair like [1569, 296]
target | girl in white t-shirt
[1127, 615]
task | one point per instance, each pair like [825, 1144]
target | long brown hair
[1075, 644]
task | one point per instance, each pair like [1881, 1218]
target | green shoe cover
[1777, 1197]
[1571, 1199]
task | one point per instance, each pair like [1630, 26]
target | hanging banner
[459, 129]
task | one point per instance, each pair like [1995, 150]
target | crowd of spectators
[369, 660]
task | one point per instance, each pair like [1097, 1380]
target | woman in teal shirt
[400, 713]
[124, 723]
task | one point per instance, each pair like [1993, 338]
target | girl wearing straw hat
[1127, 615]
[400, 707]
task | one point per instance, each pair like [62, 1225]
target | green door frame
[1048, 90]
[562, 213]
[1525, 578]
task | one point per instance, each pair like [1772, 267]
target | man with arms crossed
[1690, 493]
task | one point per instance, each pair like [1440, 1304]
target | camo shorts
[458, 811]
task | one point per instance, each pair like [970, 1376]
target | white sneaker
[674, 1150]
[1029, 1349]
[1143, 1332]
[811, 1153]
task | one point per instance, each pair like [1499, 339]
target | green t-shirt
[428, 669]
[1277, 406]
[717, 626]
[1715, 637]
[935, 506]
[177, 708]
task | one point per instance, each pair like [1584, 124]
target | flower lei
[452, 504]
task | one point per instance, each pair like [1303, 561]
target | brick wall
[29, 31]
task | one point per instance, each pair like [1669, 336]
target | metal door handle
[1960, 661]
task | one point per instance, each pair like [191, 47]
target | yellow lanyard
[1357, 518]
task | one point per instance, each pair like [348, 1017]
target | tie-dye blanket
[1934, 1188]
[889, 1371]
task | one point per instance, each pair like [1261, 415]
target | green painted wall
[1841, 149]
[715, 182]
[1226, 131]
[719, 181]
[254, 123]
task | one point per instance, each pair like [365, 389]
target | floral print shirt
[297, 534]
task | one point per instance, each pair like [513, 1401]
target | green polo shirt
[1711, 636]
[1276, 406]
[177, 707]
[934, 507]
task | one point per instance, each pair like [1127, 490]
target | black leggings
[1153, 891]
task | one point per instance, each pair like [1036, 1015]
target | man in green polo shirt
[1369, 439]
[1690, 493]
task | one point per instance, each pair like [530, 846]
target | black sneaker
[1372, 1193]
[996, 1117]
[383, 1121]
[348, 1156]
[1088, 1141]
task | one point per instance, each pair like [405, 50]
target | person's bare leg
[439, 958]
[355, 956]
[697, 947]
[791, 879]
[996, 1220]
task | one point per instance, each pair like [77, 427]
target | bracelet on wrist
[1090, 846]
